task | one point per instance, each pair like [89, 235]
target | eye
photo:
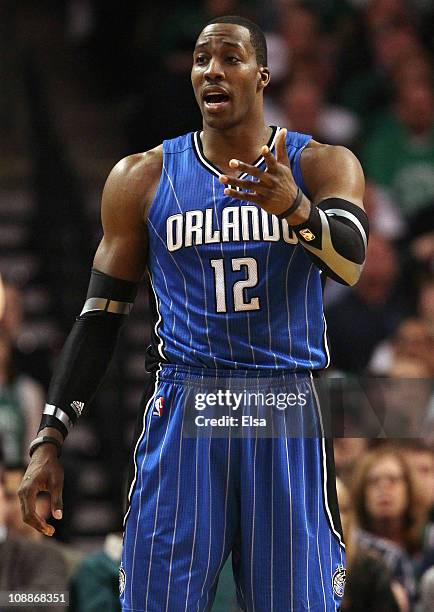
[200, 59]
[232, 59]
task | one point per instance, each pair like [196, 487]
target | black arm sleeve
[88, 350]
[335, 236]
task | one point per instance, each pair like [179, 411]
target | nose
[214, 70]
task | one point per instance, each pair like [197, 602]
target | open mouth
[216, 100]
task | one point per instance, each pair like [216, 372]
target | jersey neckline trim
[210, 167]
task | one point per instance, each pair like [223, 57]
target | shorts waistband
[195, 375]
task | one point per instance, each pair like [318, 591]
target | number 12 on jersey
[249, 266]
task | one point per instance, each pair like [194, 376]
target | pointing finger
[242, 167]
[270, 160]
[281, 150]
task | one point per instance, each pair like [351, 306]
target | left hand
[274, 189]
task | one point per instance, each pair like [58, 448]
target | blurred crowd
[358, 73]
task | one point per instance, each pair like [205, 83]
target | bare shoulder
[133, 181]
[332, 171]
[331, 157]
[129, 188]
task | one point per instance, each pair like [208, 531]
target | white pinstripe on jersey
[268, 305]
[156, 509]
[176, 511]
[175, 342]
[306, 313]
[226, 508]
[194, 532]
[248, 325]
[145, 413]
[319, 554]
[209, 523]
[287, 299]
[305, 509]
[290, 515]
[203, 271]
[221, 248]
[184, 282]
[252, 591]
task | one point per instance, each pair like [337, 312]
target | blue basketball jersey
[233, 288]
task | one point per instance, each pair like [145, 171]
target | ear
[264, 77]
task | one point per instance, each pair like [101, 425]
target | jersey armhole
[297, 170]
[159, 186]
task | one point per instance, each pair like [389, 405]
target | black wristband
[45, 440]
[51, 421]
[293, 207]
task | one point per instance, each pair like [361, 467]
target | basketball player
[236, 226]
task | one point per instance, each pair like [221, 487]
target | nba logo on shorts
[158, 407]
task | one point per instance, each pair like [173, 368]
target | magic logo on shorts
[158, 407]
[339, 581]
[122, 580]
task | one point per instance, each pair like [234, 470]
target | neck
[243, 141]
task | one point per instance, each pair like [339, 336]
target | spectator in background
[27, 564]
[310, 51]
[28, 357]
[399, 153]
[347, 452]
[388, 514]
[95, 583]
[426, 603]
[421, 458]
[304, 109]
[367, 313]
[384, 217]
[170, 77]
[426, 305]
[369, 584]
[406, 397]
[17, 527]
[21, 404]
[14, 521]
[409, 352]
[391, 36]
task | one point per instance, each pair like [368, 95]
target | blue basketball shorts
[264, 492]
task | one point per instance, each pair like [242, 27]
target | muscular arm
[119, 265]
[335, 233]
[333, 228]
[332, 172]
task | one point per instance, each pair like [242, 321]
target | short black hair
[257, 36]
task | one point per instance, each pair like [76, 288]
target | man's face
[225, 75]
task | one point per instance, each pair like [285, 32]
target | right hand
[44, 473]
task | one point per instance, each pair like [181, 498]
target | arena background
[86, 82]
